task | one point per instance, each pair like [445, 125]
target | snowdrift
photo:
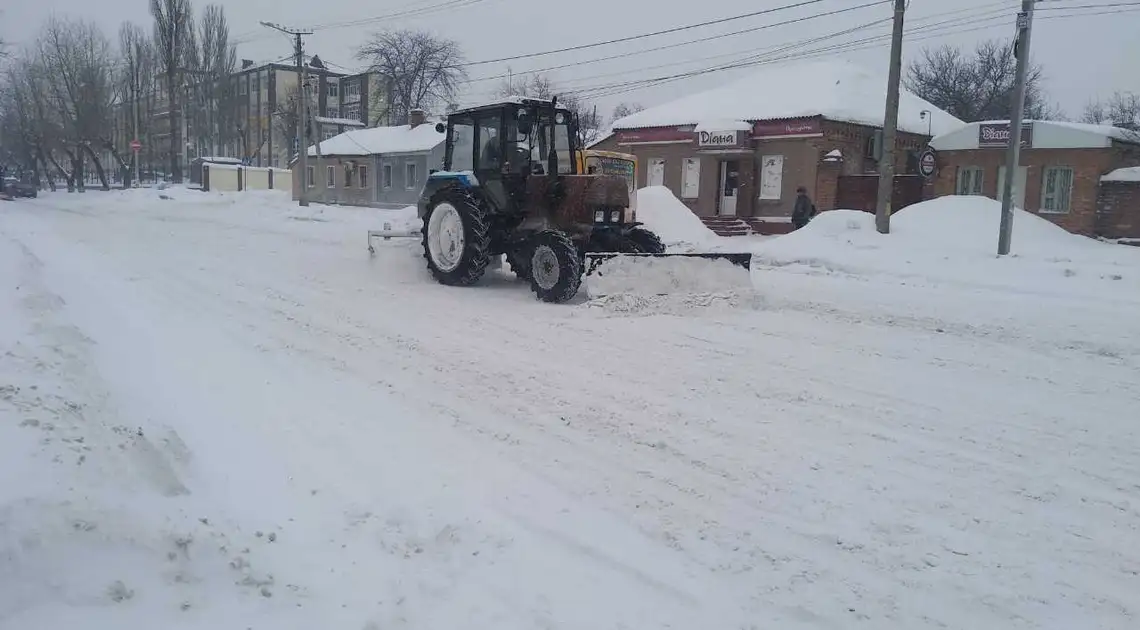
[663, 213]
[955, 239]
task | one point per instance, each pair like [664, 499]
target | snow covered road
[841, 451]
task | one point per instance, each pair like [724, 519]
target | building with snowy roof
[1074, 174]
[740, 151]
[376, 166]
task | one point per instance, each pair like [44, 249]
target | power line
[630, 38]
[767, 51]
[614, 89]
[766, 57]
[679, 44]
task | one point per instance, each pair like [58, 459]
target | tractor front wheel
[455, 239]
[644, 241]
[555, 266]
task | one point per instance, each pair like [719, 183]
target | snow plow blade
[665, 274]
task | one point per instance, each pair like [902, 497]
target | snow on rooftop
[835, 89]
[1131, 174]
[723, 125]
[348, 122]
[401, 139]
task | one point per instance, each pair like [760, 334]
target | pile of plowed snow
[665, 276]
[955, 239]
[663, 213]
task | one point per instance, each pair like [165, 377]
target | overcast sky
[1084, 57]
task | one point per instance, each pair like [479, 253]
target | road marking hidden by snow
[849, 451]
[264, 435]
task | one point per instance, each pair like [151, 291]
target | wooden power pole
[890, 126]
[1017, 110]
[302, 150]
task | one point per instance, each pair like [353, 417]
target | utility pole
[134, 147]
[1013, 153]
[890, 126]
[302, 76]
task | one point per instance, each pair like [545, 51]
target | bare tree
[78, 57]
[210, 60]
[625, 109]
[139, 67]
[542, 87]
[423, 70]
[172, 25]
[1122, 109]
[979, 85]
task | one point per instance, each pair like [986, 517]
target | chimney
[417, 117]
[246, 63]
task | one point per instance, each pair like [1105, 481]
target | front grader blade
[595, 259]
[664, 274]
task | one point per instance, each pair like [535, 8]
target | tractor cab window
[537, 143]
[490, 148]
[462, 144]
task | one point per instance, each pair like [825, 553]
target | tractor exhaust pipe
[552, 155]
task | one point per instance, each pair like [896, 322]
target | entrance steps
[745, 226]
[727, 226]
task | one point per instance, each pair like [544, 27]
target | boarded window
[410, 174]
[363, 176]
[330, 177]
[656, 174]
[691, 178]
[771, 176]
[387, 174]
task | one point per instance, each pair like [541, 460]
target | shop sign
[927, 163]
[788, 127]
[717, 138]
[996, 135]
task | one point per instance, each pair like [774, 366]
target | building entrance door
[729, 187]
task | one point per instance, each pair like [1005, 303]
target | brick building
[738, 152]
[1060, 176]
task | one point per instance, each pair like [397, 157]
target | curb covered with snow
[953, 239]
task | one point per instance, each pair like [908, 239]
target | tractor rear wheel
[456, 241]
[555, 266]
[645, 241]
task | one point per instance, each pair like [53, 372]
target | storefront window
[1056, 189]
[969, 180]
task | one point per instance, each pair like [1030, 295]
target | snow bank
[663, 213]
[1131, 174]
[955, 239]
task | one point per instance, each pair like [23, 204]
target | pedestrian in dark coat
[804, 209]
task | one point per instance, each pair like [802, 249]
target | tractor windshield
[538, 142]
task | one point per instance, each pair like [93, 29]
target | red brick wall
[801, 167]
[1118, 210]
[1088, 166]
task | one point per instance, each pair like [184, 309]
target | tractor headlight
[615, 216]
[599, 216]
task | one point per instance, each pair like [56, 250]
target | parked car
[15, 188]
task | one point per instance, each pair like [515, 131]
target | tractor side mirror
[440, 127]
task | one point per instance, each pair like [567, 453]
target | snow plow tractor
[510, 186]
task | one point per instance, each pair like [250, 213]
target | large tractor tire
[644, 241]
[555, 266]
[455, 239]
